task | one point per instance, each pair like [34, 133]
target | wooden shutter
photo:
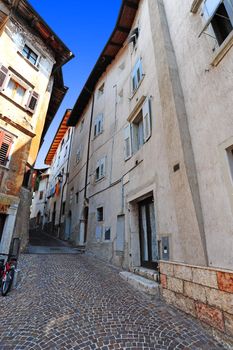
[101, 118]
[5, 147]
[102, 167]
[127, 142]
[146, 120]
[32, 101]
[3, 76]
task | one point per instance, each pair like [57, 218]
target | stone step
[152, 275]
[141, 283]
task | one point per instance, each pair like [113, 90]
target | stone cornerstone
[205, 293]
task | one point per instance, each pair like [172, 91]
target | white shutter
[3, 76]
[101, 118]
[146, 120]
[102, 167]
[127, 142]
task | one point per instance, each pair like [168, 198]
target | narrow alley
[74, 301]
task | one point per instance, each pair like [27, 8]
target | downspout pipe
[88, 147]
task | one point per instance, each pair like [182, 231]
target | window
[6, 142]
[81, 125]
[68, 135]
[41, 195]
[100, 214]
[15, 91]
[98, 125]
[229, 151]
[76, 197]
[101, 90]
[71, 195]
[136, 75]
[138, 131]
[66, 149]
[133, 36]
[30, 54]
[107, 234]
[79, 153]
[3, 76]
[100, 169]
[32, 102]
[62, 144]
[18, 90]
[219, 14]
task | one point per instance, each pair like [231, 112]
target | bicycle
[7, 271]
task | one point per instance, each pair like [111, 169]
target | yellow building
[31, 91]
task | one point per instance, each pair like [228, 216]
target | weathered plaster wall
[208, 102]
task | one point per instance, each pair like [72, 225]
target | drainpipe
[88, 148]
[114, 130]
[67, 176]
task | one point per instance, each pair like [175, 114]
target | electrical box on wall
[165, 251]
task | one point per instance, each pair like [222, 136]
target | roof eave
[105, 60]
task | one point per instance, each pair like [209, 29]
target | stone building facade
[154, 127]
[31, 90]
[58, 158]
[38, 217]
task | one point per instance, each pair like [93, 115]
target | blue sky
[85, 27]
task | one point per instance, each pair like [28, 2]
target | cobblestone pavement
[77, 302]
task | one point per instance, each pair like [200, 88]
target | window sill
[2, 93]
[95, 136]
[98, 180]
[222, 50]
[25, 59]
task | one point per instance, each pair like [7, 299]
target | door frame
[147, 264]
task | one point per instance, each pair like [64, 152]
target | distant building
[31, 91]
[58, 159]
[38, 217]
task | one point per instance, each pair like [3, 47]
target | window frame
[79, 153]
[98, 125]
[142, 114]
[99, 212]
[106, 229]
[210, 18]
[30, 51]
[101, 164]
[100, 90]
[136, 76]
[29, 94]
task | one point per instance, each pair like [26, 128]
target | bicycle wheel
[7, 282]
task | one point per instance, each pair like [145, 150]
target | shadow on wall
[12, 175]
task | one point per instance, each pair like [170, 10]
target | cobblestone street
[67, 301]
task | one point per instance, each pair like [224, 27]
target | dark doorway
[86, 212]
[2, 223]
[68, 228]
[147, 233]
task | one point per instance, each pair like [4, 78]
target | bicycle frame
[7, 266]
